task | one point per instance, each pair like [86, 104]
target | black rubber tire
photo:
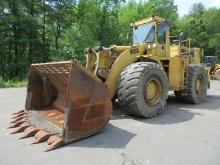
[131, 88]
[190, 95]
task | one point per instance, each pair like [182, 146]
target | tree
[58, 14]
[212, 23]
[46, 30]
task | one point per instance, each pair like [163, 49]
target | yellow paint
[177, 67]
[217, 66]
[153, 90]
[174, 58]
[90, 61]
[197, 55]
[148, 20]
[121, 62]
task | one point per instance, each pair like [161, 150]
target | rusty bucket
[65, 102]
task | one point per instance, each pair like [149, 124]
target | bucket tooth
[29, 131]
[18, 119]
[19, 115]
[16, 113]
[18, 123]
[54, 141]
[21, 128]
[41, 136]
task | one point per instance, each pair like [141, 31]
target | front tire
[142, 89]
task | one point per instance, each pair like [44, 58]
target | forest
[34, 31]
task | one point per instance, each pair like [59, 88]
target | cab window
[161, 32]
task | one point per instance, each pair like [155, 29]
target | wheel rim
[217, 74]
[199, 85]
[153, 90]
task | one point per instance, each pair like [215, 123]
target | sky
[185, 5]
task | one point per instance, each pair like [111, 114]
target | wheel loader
[66, 101]
[212, 62]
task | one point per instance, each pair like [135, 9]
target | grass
[12, 83]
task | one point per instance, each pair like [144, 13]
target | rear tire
[142, 89]
[196, 87]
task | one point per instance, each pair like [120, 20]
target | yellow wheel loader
[212, 62]
[67, 102]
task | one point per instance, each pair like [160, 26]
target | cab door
[162, 28]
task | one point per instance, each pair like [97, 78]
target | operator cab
[155, 32]
[151, 30]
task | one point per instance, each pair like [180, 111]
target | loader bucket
[65, 102]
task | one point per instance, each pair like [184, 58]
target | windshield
[143, 33]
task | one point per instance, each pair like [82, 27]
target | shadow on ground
[110, 137]
[175, 112]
